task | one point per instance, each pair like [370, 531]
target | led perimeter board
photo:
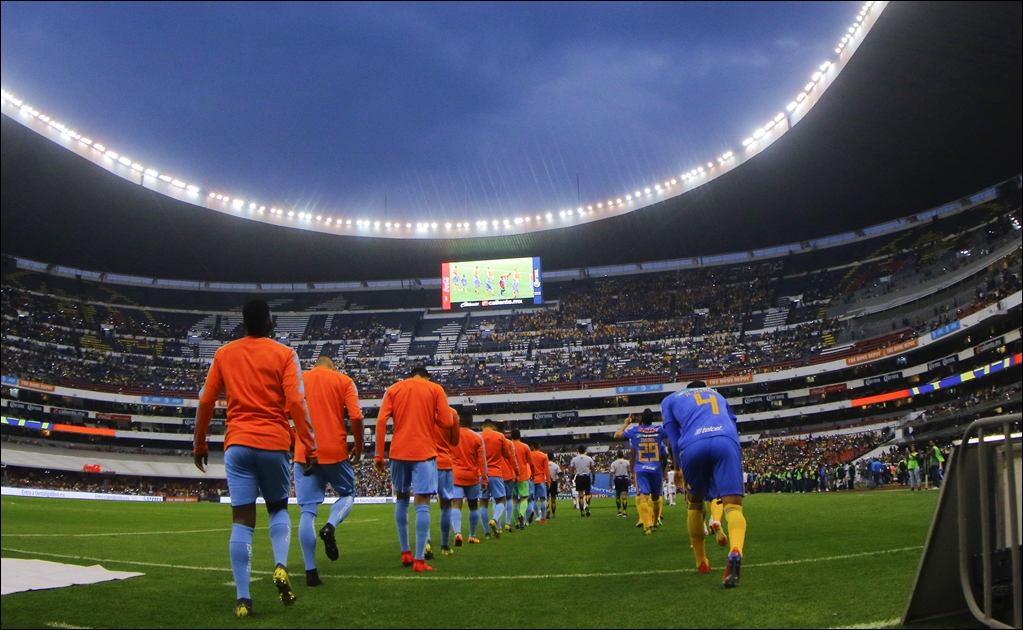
[491, 283]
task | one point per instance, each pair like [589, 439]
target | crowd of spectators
[806, 464]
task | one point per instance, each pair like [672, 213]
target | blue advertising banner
[944, 330]
[638, 389]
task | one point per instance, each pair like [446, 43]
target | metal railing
[1002, 429]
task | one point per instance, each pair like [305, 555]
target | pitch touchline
[167, 533]
[467, 577]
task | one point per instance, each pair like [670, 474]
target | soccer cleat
[532, 516]
[312, 578]
[660, 521]
[495, 529]
[474, 541]
[428, 552]
[406, 558]
[488, 537]
[508, 529]
[549, 513]
[587, 511]
[243, 607]
[329, 542]
[731, 579]
[720, 533]
[420, 566]
[447, 551]
[458, 540]
[283, 584]
[544, 521]
[648, 530]
[522, 522]
[703, 569]
[639, 524]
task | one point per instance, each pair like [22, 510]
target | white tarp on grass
[36, 575]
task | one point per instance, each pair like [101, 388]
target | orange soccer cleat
[703, 569]
[420, 566]
[406, 558]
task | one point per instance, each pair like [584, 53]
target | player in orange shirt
[523, 479]
[445, 442]
[329, 394]
[538, 485]
[263, 383]
[510, 474]
[417, 405]
[470, 467]
[498, 449]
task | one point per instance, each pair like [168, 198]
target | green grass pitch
[814, 560]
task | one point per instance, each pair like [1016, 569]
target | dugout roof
[928, 110]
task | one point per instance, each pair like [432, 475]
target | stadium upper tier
[666, 326]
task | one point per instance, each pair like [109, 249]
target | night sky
[466, 111]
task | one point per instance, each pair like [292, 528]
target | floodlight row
[640, 194]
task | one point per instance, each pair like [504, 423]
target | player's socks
[498, 513]
[241, 558]
[736, 526]
[422, 529]
[484, 516]
[307, 535]
[401, 520]
[695, 524]
[280, 536]
[340, 510]
[456, 521]
[445, 526]
[474, 521]
[658, 509]
[543, 509]
[717, 509]
[618, 504]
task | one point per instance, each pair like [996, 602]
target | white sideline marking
[167, 533]
[464, 578]
[888, 623]
[64, 626]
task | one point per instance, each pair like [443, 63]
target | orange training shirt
[263, 383]
[541, 471]
[328, 394]
[416, 405]
[442, 439]
[508, 463]
[524, 460]
[469, 458]
[497, 448]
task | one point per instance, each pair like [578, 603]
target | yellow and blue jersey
[647, 443]
[694, 414]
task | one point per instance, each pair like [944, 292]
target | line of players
[433, 451]
[460, 282]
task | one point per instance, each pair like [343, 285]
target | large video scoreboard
[491, 283]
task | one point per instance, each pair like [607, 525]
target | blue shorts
[649, 483]
[252, 472]
[713, 467]
[446, 484]
[510, 488]
[310, 490]
[532, 491]
[495, 489]
[470, 493]
[418, 477]
[539, 491]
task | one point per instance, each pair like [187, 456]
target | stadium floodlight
[759, 133]
[747, 142]
[318, 217]
[527, 219]
[495, 223]
[549, 215]
[817, 75]
[124, 160]
[852, 29]
[111, 155]
[710, 165]
[538, 217]
[99, 147]
[84, 140]
[672, 181]
[291, 213]
[699, 169]
[192, 188]
[590, 208]
[165, 178]
[769, 125]
[137, 167]
[252, 206]
[628, 197]
[824, 66]
[809, 86]
[376, 224]
[433, 225]
[262, 208]
[348, 222]
[561, 214]
[388, 224]
[638, 193]
[800, 97]
[178, 183]
[619, 201]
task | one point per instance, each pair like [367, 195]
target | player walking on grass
[469, 460]
[328, 394]
[263, 383]
[497, 449]
[581, 469]
[524, 476]
[647, 448]
[417, 406]
[705, 443]
[510, 473]
[541, 478]
[621, 475]
[445, 440]
[552, 488]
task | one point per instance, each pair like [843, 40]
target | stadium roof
[927, 111]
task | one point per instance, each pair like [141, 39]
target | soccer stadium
[561, 410]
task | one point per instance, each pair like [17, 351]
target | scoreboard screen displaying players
[506, 282]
